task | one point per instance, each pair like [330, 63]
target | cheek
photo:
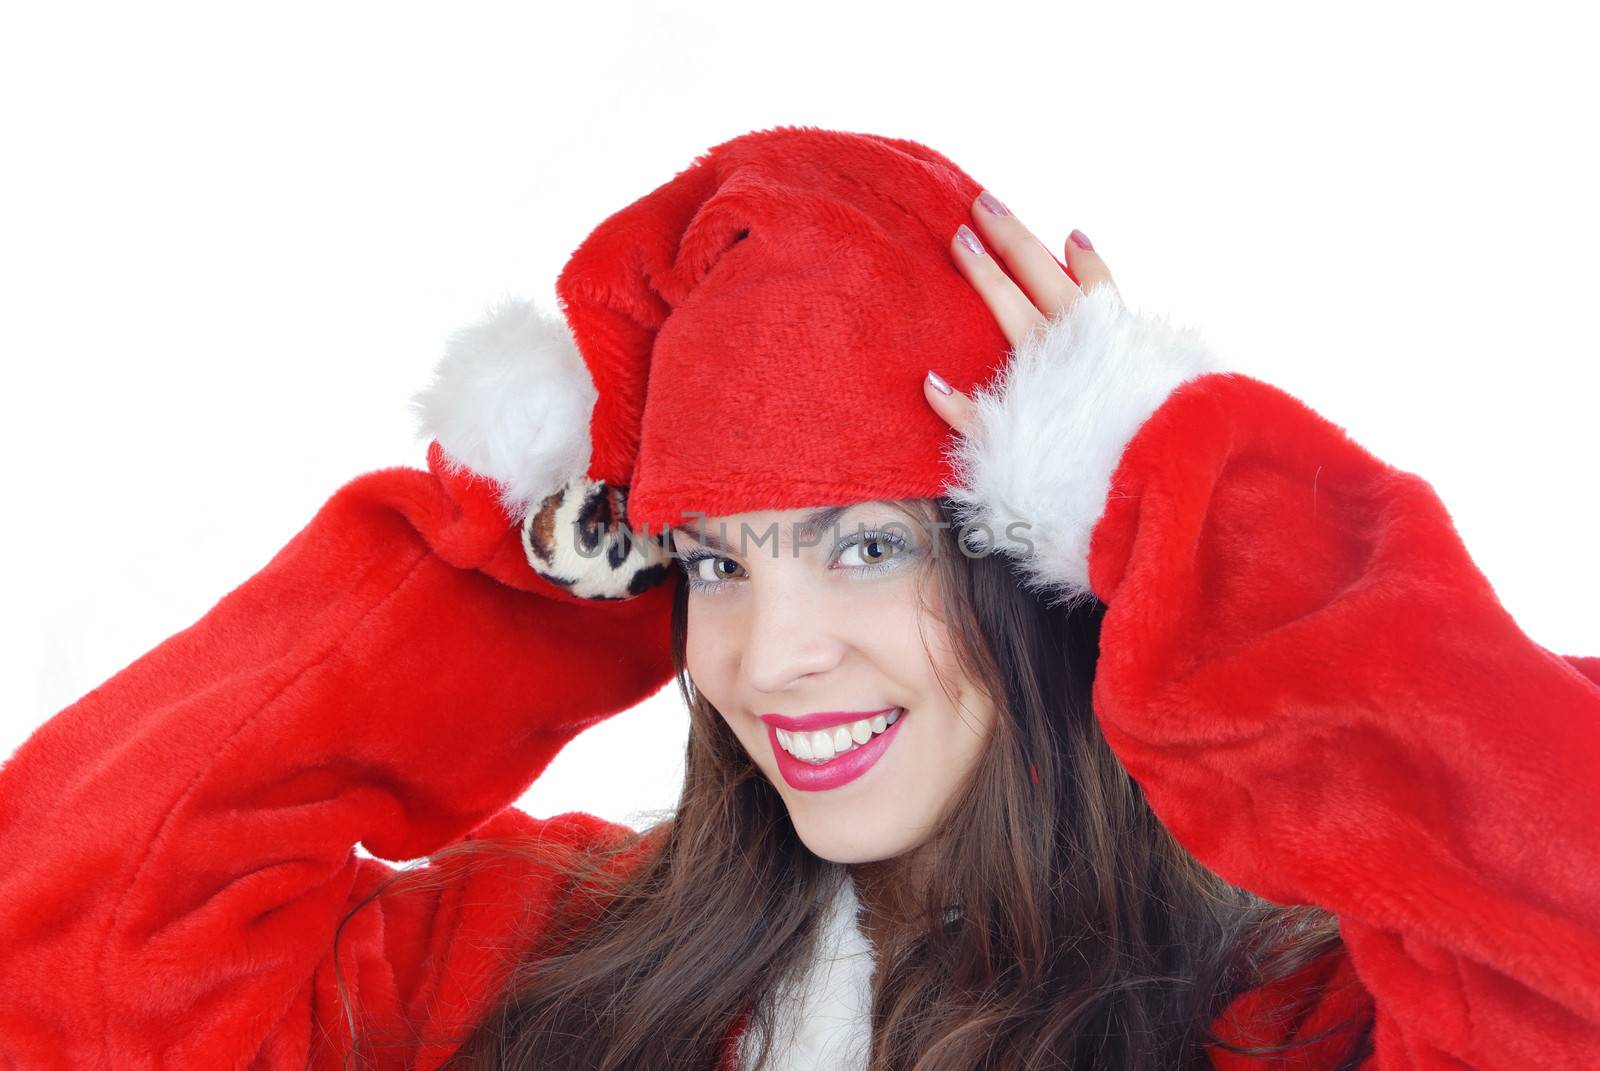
[963, 711]
[704, 654]
[709, 664]
[922, 645]
[693, 649]
[713, 667]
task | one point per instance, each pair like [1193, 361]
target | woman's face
[805, 632]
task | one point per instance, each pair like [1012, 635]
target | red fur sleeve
[1324, 701]
[1316, 688]
[178, 844]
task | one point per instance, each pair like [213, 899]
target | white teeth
[822, 745]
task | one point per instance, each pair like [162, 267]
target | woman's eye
[712, 569]
[869, 551]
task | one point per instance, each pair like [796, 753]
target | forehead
[769, 530]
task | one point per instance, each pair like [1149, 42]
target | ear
[511, 400]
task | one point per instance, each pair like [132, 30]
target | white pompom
[511, 400]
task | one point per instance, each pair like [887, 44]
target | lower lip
[812, 777]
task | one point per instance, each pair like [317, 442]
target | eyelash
[691, 559]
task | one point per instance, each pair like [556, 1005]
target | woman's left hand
[1029, 289]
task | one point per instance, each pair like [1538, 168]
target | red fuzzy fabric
[1313, 684]
[697, 297]
[178, 844]
[1322, 699]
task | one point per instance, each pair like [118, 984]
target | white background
[235, 238]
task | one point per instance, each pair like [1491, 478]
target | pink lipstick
[825, 719]
[852, 758]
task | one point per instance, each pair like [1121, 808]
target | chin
[853, 844]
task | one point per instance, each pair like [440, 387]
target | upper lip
[822, 719]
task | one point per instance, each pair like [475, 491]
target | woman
[1080, 704]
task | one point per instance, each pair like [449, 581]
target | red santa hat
[752, 334]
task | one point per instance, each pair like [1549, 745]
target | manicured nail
[967, 238]
[938, 384]
[991, 205]
[1081, 240]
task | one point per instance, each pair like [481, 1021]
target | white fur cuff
[1050, 429]
[511, 400]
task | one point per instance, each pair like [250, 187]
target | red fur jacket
[1313, 684]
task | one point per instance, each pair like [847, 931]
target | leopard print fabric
[579, 538]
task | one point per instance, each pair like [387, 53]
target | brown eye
[711, 569]
[872, 552]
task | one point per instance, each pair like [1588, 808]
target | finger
[1035, 269]
[954, 407]
[1013, 310]
[1087, 264]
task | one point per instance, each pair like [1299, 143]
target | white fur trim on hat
[511, 400]
[1050, 428]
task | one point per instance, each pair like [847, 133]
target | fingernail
[991, 205]
[938, 384]
[1081, 240]
[967, 238]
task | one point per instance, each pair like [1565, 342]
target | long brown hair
[1086, 935]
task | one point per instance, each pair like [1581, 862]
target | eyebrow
[810, 524]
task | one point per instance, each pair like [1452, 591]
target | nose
[793, 637]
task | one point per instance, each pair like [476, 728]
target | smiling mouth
[821, 746]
